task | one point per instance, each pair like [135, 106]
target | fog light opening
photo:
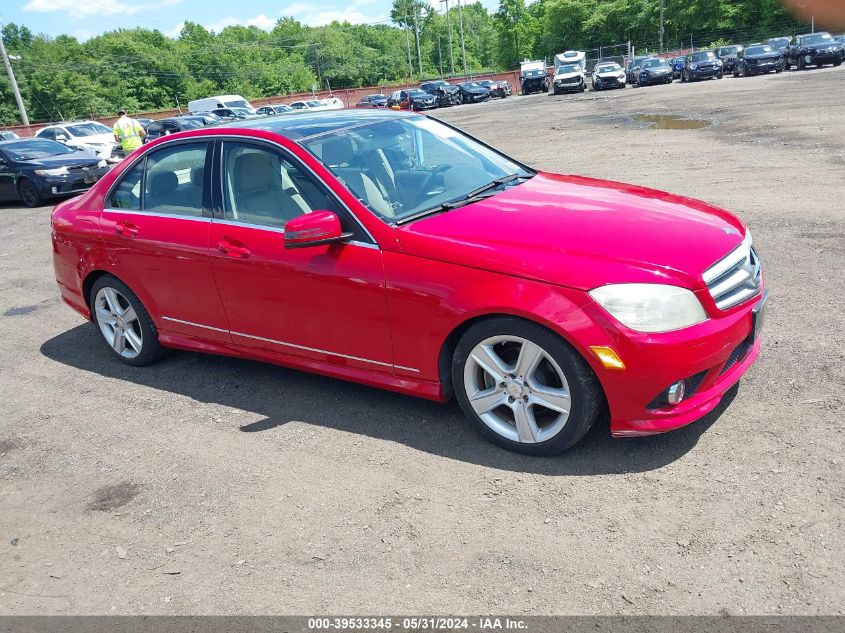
[675, 393]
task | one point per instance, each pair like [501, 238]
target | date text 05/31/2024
[431, 623]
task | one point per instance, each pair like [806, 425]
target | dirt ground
[211, 485]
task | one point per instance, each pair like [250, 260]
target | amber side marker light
[608, 357]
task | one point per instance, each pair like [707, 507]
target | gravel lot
[211, 485]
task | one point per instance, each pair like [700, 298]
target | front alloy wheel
[524, 387]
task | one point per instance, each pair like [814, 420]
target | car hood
[76, 159]
[772, 55]
[580, 233]
[567, 75]
[821, 47]
[657, 71]
[610, 73]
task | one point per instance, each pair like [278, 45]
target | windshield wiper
[462, 200]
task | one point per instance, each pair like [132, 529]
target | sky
[87, 18]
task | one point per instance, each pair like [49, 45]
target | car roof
[315, 123]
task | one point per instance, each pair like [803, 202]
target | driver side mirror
[314, 229]
[61, 137]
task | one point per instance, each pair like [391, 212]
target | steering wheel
[437, 171]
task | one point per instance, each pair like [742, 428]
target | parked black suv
[446, 93]
[812, 49]
[535, 81]
[728, 55]
[758, 59]
[701, 65]
[163, 127]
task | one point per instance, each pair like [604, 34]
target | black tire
[586, 395]
[29, 194]
[801, 64]
[151, 349]
[838, 63]
[720, 75]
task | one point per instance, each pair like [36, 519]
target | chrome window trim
[156, 214]
[294, 345]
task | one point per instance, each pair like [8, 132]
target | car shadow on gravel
[281, 395]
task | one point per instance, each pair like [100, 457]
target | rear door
[156, 223]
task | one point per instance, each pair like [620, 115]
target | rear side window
[168, 181]
[174, 178]
[127, 194]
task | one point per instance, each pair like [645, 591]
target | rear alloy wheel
[29, 193]
[123, 321]
[524, 387]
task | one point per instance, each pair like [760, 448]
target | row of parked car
[438, 94]
[773, 55]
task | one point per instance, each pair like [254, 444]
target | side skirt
[408, 386]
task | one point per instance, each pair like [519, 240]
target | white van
[220, 101]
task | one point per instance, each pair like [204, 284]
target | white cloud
[320, 15]
[87, 8]
[260, 20]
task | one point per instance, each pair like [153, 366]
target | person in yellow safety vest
[128, 132]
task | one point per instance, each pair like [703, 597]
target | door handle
[126, 229]
[233, 250]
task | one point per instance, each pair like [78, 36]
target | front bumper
[608, 82]
[763, 66]
[647, 80]
[711, 357]
[568, 87]
[821, 57]
[69, 184]
[424, 105]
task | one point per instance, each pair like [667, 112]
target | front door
[323, 303]
[157, 222]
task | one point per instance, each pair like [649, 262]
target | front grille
[736, 277]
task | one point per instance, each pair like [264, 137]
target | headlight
[57, 171]
[693, 66]
[102, 163]
[650, 307]
[718, 62]
[620, 76]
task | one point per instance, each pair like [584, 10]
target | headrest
[256, 170]
[338, 151]
[162, 182]
[197, 174]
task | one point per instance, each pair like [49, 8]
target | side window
[127, 194]
[262, 187]
[174, 180]
[154, 129]
[48, 133]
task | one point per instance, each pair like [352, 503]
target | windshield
[470, 84]
[313, 104]
[405, 166]
[607, 68]
[729, 50]
[703, 56]
[190, 124]
[87, 129]
[779, 42]
[815, 38]
[654, 63]
[567, 68]
[759, 50]
[418, 93]
[237, 103]
[535, 73]
[36, 148]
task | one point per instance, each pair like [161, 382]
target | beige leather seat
[339, 153]
[258, 194]
[165, 194]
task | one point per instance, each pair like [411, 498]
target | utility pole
[662, 2]
[11, 73]
[417, 32]
[439, 55]
[463, 50]
[812, 24]
[408, 44]
[449, 28]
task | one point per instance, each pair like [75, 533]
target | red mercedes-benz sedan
[396, 251]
